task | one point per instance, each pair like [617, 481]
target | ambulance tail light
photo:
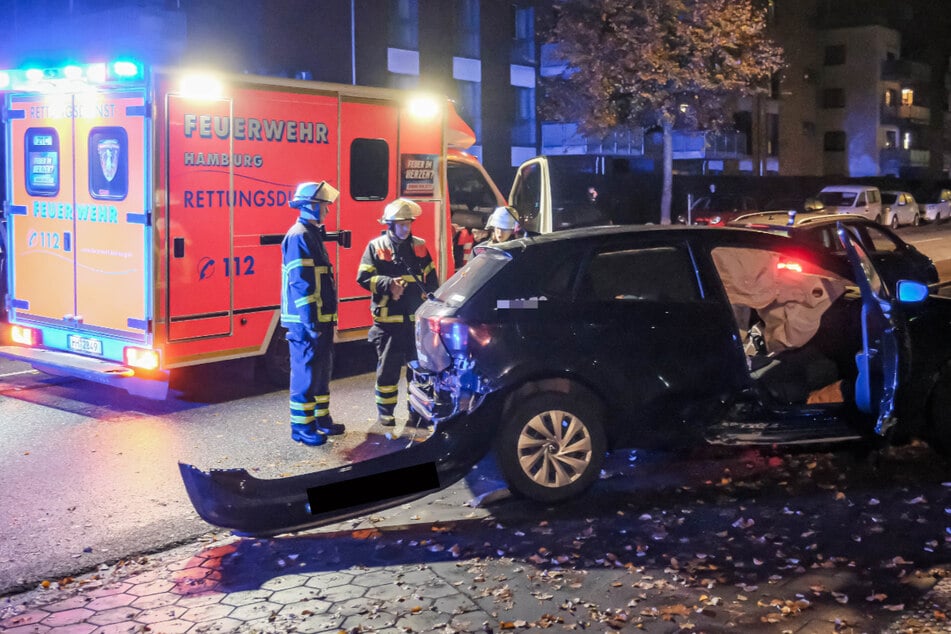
[26, 336]
[141, 358]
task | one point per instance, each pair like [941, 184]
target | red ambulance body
[145, 209]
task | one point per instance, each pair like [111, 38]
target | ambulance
[145, 209]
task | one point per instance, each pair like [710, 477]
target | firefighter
[309, 312]
[502, 224]
[398, 270]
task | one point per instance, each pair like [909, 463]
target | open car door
[877, 361]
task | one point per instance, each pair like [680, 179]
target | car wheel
[916, 220]
[879, 219]
[894, 222]
[551, 446]
[276, 362]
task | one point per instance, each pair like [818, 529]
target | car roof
[847, 188]
[779, 219]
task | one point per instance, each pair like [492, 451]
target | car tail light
[458, 336]
[141, 358]
[26, 336]
[789, 266]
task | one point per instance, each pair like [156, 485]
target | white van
[863, 200]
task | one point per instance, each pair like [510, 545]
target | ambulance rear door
[78, 217]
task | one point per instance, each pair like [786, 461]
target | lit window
[906, 141]
[907, 96]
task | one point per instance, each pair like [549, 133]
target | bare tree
[657, 63]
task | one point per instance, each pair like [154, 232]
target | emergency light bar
[70, 77]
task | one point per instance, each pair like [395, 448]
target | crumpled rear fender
[234, 499]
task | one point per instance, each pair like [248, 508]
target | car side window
[657, 274]
[860, 201]
[875, 239]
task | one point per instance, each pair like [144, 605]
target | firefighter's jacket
[382, 264]
[308, 289]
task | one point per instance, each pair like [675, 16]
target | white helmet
[505, 218]
[310, 193]
[400, 209]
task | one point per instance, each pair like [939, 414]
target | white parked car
[900, 208]
[863, 200]
[939, 210]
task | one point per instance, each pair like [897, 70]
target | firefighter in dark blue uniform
[309, 312]
[398, 270]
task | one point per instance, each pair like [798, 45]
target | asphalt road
[90, 473]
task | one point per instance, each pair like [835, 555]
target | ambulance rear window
[369, 166]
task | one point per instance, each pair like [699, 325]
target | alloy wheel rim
[554, 448]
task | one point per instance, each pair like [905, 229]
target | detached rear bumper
[247, 505]
[154, 386]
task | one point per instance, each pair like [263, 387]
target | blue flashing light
[96, 73]
[4, 80]
[34, 74]
[125, 69]
[72, 72]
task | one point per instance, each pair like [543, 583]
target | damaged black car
[553, 350]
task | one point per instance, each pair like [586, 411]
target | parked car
[863, 200]
[939, 209]
[894, 258]
[554, 349]
[899, 208]
[719, 209]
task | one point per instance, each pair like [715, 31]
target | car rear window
[473, 276]
[837, 199]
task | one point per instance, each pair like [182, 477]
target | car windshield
[837, 199]
[718, 204]
[473, 276]
[889, 198]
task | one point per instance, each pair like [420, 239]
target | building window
[469, 105]
[834, 141]
[835, 55]
[523, 130]
[906, 141]
[907, 97]
[403, 29]
[891, 139]
[890, 97]
[833, 98]
[467, 28]
[523, 48]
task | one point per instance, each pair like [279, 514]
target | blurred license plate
[86, 345]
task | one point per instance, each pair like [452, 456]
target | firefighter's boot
[308, 434]
[387, 420]
[326, 425]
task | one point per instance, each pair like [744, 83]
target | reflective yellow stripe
[321, 269]
[387, 401]
[293, 264]
[301, 420]
[369, 268]
[430, 267]
[325, 318]
[301, 301]
[394, 319]
[387, 389]
[408, 278]
[323, 399]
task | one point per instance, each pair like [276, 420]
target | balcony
[912, 114]
[564, 138]
[893, 160]
[709, 145]
[903, 70]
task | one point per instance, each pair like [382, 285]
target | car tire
[551, 446]
[275, 365]
[894, 222]
[916, 221]
[879, 219]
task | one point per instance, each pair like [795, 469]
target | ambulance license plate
[85, 345]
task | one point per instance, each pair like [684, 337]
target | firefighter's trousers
[395, 348]
[311, 364]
